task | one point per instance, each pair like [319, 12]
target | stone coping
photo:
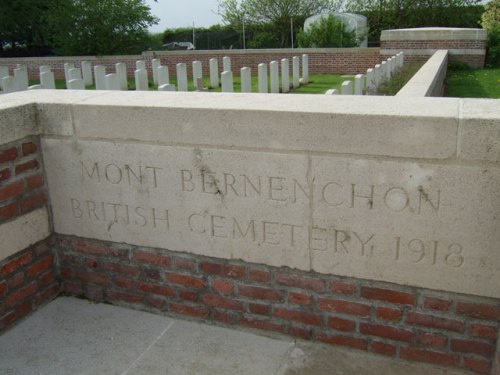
[433, 33]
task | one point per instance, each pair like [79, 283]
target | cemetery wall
[368, 222]
[27, 263]
[463, 45]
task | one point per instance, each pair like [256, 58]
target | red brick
[351, 342]
[72, 287]
[222, 286]
[7, 320]
[298, 316]
[12, 190]
[437, 304]
[124, 296]
[118, 252]
[424, 355]
[387, 313]
[23, 309]
[13, 281]
[42, 249]
[124, 269]
[479, 366]
[383, 348]
[94, 292]
[19, 295]
[27, 166]
[82, 246]
[387, 332]
[96, 278]
[28, 148]
[185, 264]
[222, 302]
[156, 303]
[48, 293]
[344, 307]
[302, 333]
[435, 322]
[479, 310]
[262, 293]
[294, 281]
[188, 295]
[259, 276]
[5, 174]
[186, 280]
[3, 288]
[194, 311]
[483, 331]
[429, 339]
[33, 202]
[340, 324]
[152, 258]
[16, 263]
[123, 282]
[90, 263]
[8, 155]
[40, 266]
[472, 346]
[388, 295]
[299, 298]
[264, 325]
[151, 274]
[155, 289]
[342, 288]
[47, 278]
[9, 211]
[224, 317]
[227, 270]
[256, 308]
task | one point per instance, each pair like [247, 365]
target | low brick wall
[393, 320]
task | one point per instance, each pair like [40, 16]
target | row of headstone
[19, 80]
[368, 84]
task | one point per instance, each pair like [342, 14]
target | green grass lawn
[318, 84]
[480, 83]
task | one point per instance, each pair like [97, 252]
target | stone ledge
[433, 33]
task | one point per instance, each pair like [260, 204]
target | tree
[328, 32]
[491, 22]
[279, 13]
[98, 27]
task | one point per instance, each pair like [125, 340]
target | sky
[182, 13]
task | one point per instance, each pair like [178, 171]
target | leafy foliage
[328, 32]
[491, 22]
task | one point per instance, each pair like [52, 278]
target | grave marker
[166, 87]
[155, 63]
[296, 71]
[4, 72]
[275, 77]
[112, 82]
[285, 76]
[47, 80]
[182, 80]
[21, 75]
[141, 80]
[359, 84]
[226, 64]
[162, 75]
[227, 81]
[246, 79]
[305, 69]
[262, 76]
[346, 88]
[87, 73]
[76, 84]
[121, 75]
[214, 73]
[100, 77]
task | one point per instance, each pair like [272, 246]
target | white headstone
[35, 87]
[197, 72]
[100, 77]
[346, 88]
[296, 71]
[76, 84]
[21, 75]
[87, 73]
[44, 68]
[384, 71]
[74, 73]
[47, 80]
[182, 80]
[246, 79]
[226, 63]
[166, 87]
[227, 81]
[331, 92]
[359, 84]
[199, 84]
[285, 76]
[305, 69]
[67, 67]
[390, 66]
[214, 73]
[121, 75]
[9, 84]
[4, 72]
[155, 63]
[141, 80]
[140, 64]
[162, 75]
[402, 58]
[370, 81]
[112, 82]
[274, 72]
[378, 75]
[262, 75]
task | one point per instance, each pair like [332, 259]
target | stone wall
[464, 45]
[370, 222]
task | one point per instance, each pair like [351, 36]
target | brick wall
[392, 320]
[22, 184]
[27, 278]
[341, 61]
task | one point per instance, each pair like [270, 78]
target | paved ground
[72, 336]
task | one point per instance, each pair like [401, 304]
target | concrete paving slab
[72, 336]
